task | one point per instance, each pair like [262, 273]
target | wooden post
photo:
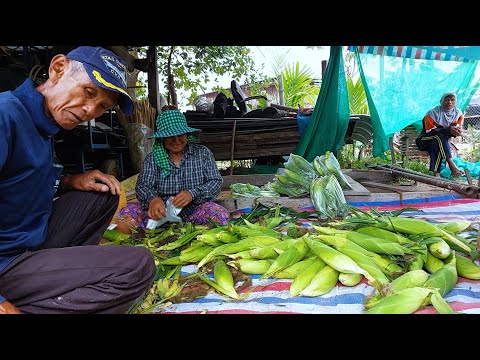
[232, 148]
[281, 92]
[324, 67]
[469, 177]
[152, 78]
[392, 152]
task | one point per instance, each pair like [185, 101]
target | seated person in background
[439, 125]
[176, 168]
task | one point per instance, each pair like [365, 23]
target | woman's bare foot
[124, 227]
[457, 173]
[436, 174]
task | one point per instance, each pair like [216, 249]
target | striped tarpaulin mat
[271, 296]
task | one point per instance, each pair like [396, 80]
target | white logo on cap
[116, 68]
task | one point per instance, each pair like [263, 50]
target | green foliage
[297, 83]
[357, 98]
[194, 66]
[141, 90]
[419, 165]
[473, 137]
[349, 160]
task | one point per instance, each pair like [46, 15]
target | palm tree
[298, 85]
[356, 96]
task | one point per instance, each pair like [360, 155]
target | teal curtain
[400, 90]
[329, 121]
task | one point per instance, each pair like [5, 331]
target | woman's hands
[156, 209]
[456, 130]
[93, 180]
[182, 199]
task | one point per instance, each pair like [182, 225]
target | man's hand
[93, 180]
[182, 199]
[8, 308]
[156, 209]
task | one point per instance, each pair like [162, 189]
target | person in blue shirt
[50, 261]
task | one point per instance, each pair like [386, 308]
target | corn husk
[350, 279]
[466, 268]
[445, 278]
[432, 263]
[322, 283]
[303, 279]
[405, 301]
[440, 249]
[293, 254]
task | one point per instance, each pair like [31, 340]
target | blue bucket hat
[106, 70]
[173, 123]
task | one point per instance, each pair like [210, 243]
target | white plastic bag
[172, 216]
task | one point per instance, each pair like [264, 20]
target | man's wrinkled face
[75, 98]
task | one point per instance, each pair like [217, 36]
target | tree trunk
[172, 94]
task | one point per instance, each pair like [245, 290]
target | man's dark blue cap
[107, 70]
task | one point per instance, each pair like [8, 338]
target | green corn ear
[454, 246]
[445, 278]
[272, 251]
[329, 230]
[195, 255]
[251, 266]
[305, 277]
[337, 260]
[298, 164]
[360, 256]
[293, 254]
[226, 249]
[223, 277]
[226, 237]
[410, 279]
[417, 263]
[294, 270]
[209, 237]
[405, 301]
[467, 269]
[323, 282]
[432, 263]
[378, 245]
[455, 227]
[320, 167]
[440, 249]
[387, 266]
[174, 260]
[297, 178]
[350, 279]
[384, 234]
[413, 226]
[440, 304]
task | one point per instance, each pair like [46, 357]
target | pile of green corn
[410, 263]
[322, 180]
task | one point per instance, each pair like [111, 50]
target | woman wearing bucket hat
[176, 169]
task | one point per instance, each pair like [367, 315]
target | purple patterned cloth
[133, 214]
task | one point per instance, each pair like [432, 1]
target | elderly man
[50, 261]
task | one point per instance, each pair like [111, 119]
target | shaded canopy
[401, 83]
